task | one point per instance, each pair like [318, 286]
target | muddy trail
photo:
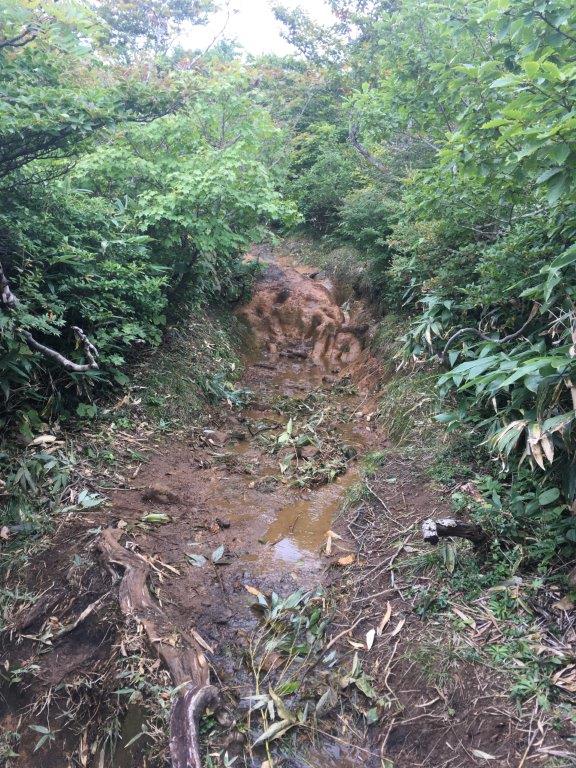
[254, 596]
[215, 530]
[250, 501]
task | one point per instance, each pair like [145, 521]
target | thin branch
[9, 301]
[355, 141]
[485, 337]
[547, 21]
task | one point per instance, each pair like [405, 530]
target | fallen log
[434, 530]
[185, 661]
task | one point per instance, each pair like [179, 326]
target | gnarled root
[184, 722]
[186, 662]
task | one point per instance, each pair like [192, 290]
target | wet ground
[253, 500]
[252, 496]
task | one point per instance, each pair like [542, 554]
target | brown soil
[230, 483]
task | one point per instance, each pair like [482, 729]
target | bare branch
[20, 40]
[8, 300]
[355, 141]
[60, 359]
[485, 337]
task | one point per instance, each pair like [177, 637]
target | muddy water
[305, 345]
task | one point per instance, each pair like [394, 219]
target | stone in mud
[308, 452]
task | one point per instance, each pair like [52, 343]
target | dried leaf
[159, 518]
[328, 700]
[364, 684]
[566, 678]
[385, 619]
[466, 619]
[43, 440]
[370, 635]
[197, 560]
[398, 628]
[281, 708]
[482, 755]
[218, 553]
[275, 731]
[565, 604]
[346, 560]
[253, 590]
[200, 640]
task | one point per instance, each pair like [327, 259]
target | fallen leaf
[346, 560]
[218, 553]
[482, 755]
[566, 678]
[328, 700]
[5, 532]
[565, 604]
[397, 629]
[200, 640]
[197, 560]
[253, 590]
[275, 731]
[370, 635]
[43, 440]
[385, 619]
[160, 518]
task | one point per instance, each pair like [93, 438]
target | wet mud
[252, 495]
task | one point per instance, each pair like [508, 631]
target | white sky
[253, 25]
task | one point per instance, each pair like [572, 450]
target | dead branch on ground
[185, 660]
[434, 530]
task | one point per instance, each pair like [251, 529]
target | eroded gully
[260, 488]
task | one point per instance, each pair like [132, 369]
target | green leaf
[548, 497]
[218, 554]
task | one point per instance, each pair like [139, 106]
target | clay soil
[228, 505]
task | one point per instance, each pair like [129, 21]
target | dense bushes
[462, 202]
[125, 190]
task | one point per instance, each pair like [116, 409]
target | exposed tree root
[180, 652]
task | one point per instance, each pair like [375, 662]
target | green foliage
[464, 201]
[126, 195]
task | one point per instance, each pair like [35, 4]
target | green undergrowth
[519, 576]
[198, 364]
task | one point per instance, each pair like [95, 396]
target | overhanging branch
[486, 337]
[368, 156]
[9, 301]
